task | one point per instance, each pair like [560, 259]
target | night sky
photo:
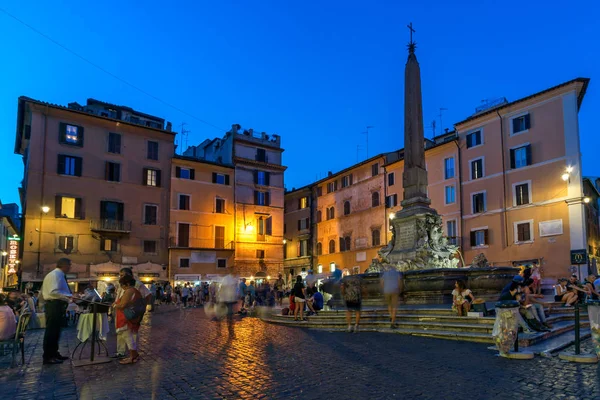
[317, 73]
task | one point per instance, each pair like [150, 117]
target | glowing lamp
[586, 200]
[565, 177]
[45, 209]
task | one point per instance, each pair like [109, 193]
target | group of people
[186, 295]
[252, 295]
[128, 304]
[570, 291]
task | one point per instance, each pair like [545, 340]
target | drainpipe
[503, 179]
[460, 199]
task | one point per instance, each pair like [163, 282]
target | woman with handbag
[129, 312]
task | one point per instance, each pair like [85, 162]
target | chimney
[235, 128]
[446, 130]
[169, 126]
[251, 131]
[329, 173]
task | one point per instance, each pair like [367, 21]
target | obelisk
[414, 177]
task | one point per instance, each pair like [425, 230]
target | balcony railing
[200, 243]
[110, 225]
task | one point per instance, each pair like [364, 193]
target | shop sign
[13, 254]
[578, 257]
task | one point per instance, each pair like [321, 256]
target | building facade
[202, 220]
[507, 183]
[298, 247]
[94, 190]
[258, 196]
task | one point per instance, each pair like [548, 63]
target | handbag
[136, 310]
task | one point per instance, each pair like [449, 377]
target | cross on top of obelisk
[411, 45]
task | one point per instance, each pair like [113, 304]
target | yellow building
[202, 216]
[298, 247]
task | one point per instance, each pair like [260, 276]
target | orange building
[297, 230]
[201, 243]
[94, 189]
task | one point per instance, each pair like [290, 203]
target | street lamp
[565, 177]
[45, 209]
[392, 215]
[284, 241]
[586, 200]
[4, 254]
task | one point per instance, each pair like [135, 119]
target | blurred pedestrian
[299, 294]
[129, 309]
[242, 292]
[279, 285]
[352, 292]
[390, 284]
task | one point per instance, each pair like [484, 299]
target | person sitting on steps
[461, 298]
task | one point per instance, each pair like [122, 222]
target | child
[537, 279]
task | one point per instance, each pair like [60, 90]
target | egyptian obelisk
[415, 205]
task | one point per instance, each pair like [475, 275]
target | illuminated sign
[13, 254]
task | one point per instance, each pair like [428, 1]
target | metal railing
[202, 243]
[112, 225]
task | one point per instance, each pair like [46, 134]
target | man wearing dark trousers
[57, 295]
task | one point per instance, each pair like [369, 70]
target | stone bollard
[506, 330]
[594, 316]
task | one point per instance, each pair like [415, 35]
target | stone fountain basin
[434, 286]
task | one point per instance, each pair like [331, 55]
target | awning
[187, 277]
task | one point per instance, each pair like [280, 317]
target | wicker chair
[18, 341]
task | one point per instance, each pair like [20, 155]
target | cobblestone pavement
[184, 355]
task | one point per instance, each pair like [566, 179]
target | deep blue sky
[317, 73]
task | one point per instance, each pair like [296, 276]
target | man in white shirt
[121, 345]
[56, 295]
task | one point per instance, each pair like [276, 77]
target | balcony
[110, 225]
[198, 243]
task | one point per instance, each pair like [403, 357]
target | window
[524, 231]
[319, 269]
[478, 202]
[219, 237]
[319, 248]
[391, 201]
[391, 179]
[520, 124]
[375, 199]
[479, 237]
[451, 231]
[345, 243]
[331, 246]
[303, 202]
[70, 134]
[477, 168]
[450, 194]
[260, 253]
[66, 244]
[185, 173]
[319, 216]
[114, 143]
[449, 168]
[67, 207]
[220, 206]
[302, 248]
[521, 194]
[262, 198]
[262, 178]
[319, 191]
[261, 155]
[220, 179]
[332, 267]
[152, 177]
[520, 156]
[474, 139]
[346, 181]
[183, 235]
[376, 237]
[108, 245]
[269, 225]
[330, 213]
[111, 210]
[347, 207]
[303, 224]
[184, 263]
[331, 187]
[69, 165]
[152, 150]
[150, 246]
[150, 214]
[375, 169]
[221, 263]
[112, 171]
[184, 202]
[285, 252]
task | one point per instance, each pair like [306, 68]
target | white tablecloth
[84, 326]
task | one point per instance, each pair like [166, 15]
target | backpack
[285, 311]
[352, 289]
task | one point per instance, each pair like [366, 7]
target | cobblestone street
[186, 356]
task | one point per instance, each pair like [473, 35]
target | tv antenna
[184, 135]
[367, 133]
[442, 109]
[358, 148]
[433, 128]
